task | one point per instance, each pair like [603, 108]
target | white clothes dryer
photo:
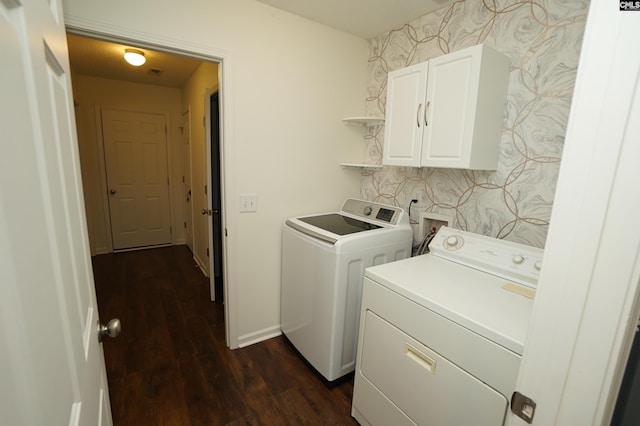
[441, 335]
[323, 262]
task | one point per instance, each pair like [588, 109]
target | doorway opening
[184, 188]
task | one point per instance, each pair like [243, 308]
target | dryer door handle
[420, 358]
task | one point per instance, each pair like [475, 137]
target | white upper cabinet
[448, 111]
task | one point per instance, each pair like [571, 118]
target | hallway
[170, 365]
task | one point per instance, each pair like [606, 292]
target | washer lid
[338, 224]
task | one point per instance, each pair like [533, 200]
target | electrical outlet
[248, 203]
[429, 220]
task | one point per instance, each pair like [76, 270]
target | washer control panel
[513, 261]
[373, 211]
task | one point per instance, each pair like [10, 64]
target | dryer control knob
[452, 241]
[517, 259]
[367, 210]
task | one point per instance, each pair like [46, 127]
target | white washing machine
[323, 262]
[441, 335]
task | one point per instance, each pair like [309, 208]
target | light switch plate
[248, 203]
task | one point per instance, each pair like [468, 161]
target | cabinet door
[451, 101]
[404, 124]
[466, 93]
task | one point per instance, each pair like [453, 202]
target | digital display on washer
[385, 214]
[338, 224]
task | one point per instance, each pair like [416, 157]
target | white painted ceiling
[106, 59]
[364, 18]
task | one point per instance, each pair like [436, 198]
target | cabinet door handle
[426, 107]
[418, 115]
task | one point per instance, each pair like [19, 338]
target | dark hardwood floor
[170, 365]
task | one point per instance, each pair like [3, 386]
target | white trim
[201, 265]
[102, 250]
[106, 213]
[92, 28]
[259, 336]
[586, 304]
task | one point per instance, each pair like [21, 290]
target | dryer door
[426, 387]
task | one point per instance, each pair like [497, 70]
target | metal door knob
[113, 191]
[206, 212]
[112, 329]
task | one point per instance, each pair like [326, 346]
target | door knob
[206, 212]
[112, 329]
[113, 191]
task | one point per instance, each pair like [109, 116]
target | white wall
[292, 82]
[193, 100]
[92, 92]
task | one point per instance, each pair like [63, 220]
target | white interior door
[135, 145]
[52, 363]
[588, 297]
[186, 179]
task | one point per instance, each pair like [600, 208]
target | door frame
[224, 57]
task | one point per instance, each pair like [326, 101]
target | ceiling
[364, 18]
[105, 59]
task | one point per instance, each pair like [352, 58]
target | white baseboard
[259, 336]
[201, 265]
[102, 250]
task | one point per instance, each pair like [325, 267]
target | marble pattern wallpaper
[543, 40]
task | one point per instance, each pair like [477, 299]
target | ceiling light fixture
[134, 57]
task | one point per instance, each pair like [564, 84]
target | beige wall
[291, 83]
[193, 100]
[91, 93]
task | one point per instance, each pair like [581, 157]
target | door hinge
[205, 190]
[207, 251]
[523, 406]
[225, 232]
[171, 230]
[204, 121]
[182, 179]
[185, 225]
